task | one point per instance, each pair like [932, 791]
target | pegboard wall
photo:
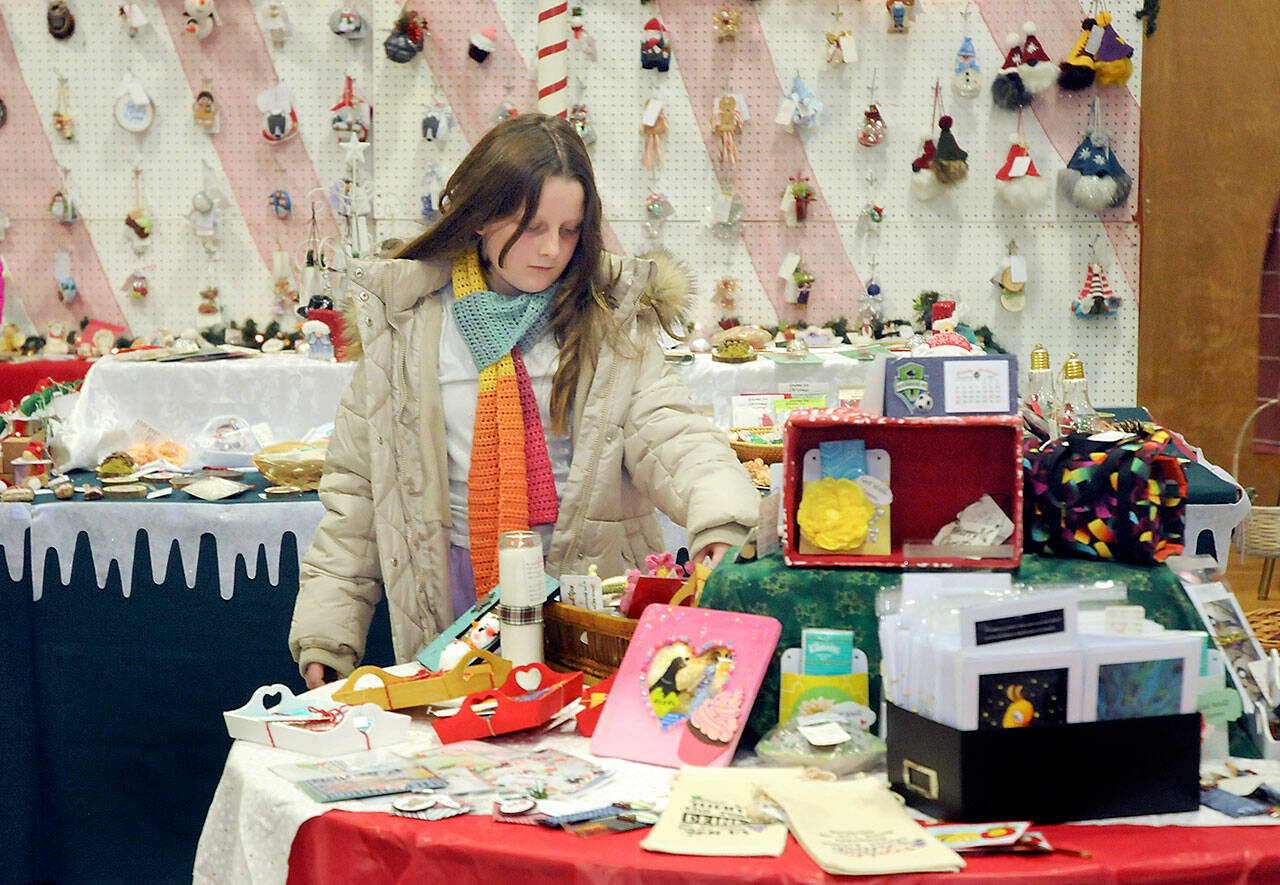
[951, 244]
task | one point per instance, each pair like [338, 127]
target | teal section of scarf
[493, 324]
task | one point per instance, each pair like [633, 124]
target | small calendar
[975, 385]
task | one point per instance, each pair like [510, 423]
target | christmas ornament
[727, 126]
[136, 285]
[1011, 278]
[4, 225]
[204, 111]
[201, 16]
[1094, 178]
[873, 128]
[657, 209]
[724, 215]
[437, 123]
[727, 20]
[407, 36]
[726, 292]
[275, 22]
[133, 109]
[964, 81]
[798, 107]
[1026, 72]
[352, 201]
[797, 282]
[583, 42]
[352, 115]
[1099, 54]
[63, 124]
[579, 117]
[136, 220]
[280, 120]
[67, 289]
[950, 162]
[281, 203]
[61, 205]
[1096, 299]
[285, 298]
[432, 185]
[205, 214]
[4, 113]
[840, 48]
[482, 44]
[655, 47]
[900, 12]
[653, 125]
[871, 305]
[347, 22]
[796, 198]
[505, 111]
[1018, 182]
[133, 17]
[62, 24]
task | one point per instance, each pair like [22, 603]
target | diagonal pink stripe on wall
[1063, 115]
[767, 157]
[30, 180]
[475, 90]
[239, 67]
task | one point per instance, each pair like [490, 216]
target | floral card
[544, 774]
[686, 686]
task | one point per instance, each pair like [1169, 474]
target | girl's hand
[317, 674]
[712, 553]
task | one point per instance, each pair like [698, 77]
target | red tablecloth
[20, 378]
[342, 846]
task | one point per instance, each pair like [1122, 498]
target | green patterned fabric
[845, 599]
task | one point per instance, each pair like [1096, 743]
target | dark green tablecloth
[845, 599]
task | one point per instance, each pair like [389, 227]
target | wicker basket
[746, 451]
[581, 639]
[1259, 534]
[292, 464]
[1266, 626]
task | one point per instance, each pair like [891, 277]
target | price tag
[786, 111]
[652, 110]
[876, 490]
[1017, 269]
[849, 48]
[1019, 166]
[722, 208]
[824, 734]
[1219, 705]
[1125, 620]
[789, 264]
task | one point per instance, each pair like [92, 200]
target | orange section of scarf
[498, 482]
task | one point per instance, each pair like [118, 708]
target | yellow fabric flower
[835, 513]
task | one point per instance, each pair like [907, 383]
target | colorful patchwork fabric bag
[1123, 500]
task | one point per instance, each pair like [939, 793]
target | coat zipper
[581, 516]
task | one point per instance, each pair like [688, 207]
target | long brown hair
[503, 175]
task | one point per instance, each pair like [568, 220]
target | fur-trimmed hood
[401, 283]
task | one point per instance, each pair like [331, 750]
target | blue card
[843, 458]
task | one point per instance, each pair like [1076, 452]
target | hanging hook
[872, 88]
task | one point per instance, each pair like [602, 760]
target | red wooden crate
[938, 466]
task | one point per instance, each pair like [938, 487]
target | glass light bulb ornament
[966, 81]
[873, 128]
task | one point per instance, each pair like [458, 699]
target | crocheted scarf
[510, 486]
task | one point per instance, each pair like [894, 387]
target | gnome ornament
[1099, 54]
[1094, 178]
[1018, 182]
[950, 163]
[1036, 70]
[655, 48]
[924, 185]
[1096, 298]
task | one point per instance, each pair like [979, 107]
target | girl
[510, 378]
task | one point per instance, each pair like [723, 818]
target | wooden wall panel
[1209, 189]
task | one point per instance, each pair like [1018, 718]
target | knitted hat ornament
[941, 163]
[1096, 299]
[1094, 178]
[1018, 182]
[950, 163]
[1099, 54]
[1026, 70]
[510, 486]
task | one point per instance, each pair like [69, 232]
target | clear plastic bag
[815, 741]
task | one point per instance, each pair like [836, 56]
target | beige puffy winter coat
[637, 442]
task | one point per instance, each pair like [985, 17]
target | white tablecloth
[289, 394]
[716, 384]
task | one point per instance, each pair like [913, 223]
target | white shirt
[459, 386]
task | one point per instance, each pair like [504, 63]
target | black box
[1046, 774]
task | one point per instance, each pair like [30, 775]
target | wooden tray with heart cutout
[425, 687]
[531, 695]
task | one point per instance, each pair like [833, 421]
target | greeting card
[686, 686]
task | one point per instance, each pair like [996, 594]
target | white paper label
[1125, 620]
[722, 208]
[876, 490]
[786, 110]
[1019, 166]
[789, 264]
[849, 48]
[652, 110]
[824, 734]
[1017, 269]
